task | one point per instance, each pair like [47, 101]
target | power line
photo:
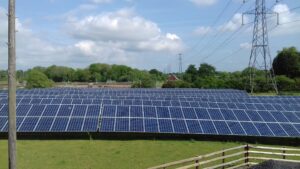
[212, 25]
[216, 35]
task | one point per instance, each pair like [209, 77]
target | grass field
[100, 154]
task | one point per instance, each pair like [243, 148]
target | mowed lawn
[105, 154]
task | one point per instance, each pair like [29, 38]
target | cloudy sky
[142, 33]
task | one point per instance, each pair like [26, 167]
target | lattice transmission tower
[260, 57]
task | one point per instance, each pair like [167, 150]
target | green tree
[145, 82]
[206, 70]
[285, 84]
[60, 73]
[191, 74]
[287, 62]
[37, 79]
[82, 75]
[99, 72]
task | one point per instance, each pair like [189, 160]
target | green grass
[100, 154]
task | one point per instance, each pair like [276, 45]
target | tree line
[42, 77]
[286, 67]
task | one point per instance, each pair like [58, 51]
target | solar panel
[180, 111]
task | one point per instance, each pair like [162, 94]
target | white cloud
[204, 2]
[245, 45]
[126, 30]
[101, 1]
[202, 30]
[235, 23]
[120, 37]
[286, 18]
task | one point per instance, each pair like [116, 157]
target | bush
[36, 79]
[176, 84]
[145, 82]
[285, 84]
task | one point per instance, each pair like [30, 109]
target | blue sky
[143, 34]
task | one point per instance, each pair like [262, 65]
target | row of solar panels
[52, 124]
[152, 112]
[150, 125]
[162, 99]
[220, 105]
[156, 120]
[199, 127]
[54, 110]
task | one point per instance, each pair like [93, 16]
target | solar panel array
[178, 111]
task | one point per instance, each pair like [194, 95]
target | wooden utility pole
[12, 133]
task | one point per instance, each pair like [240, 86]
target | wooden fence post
[223, 160]
[197, 161]
[246, 154]
[283, 151]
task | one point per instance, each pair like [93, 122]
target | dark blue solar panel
[222, 127]
[231, 106]
[202, 113]
[176, 112]
[77, 101]
[109, 111]
[22, 110]
[215, 114]
[151, 125]
[250, 129]
[194, 126]
[292, 117]
[179, 126]
[236, 128]
[79, 110]
[28, 124]
[163, 112]
[189, 113]
[51, 110]
[165, 126]
[149, 112]
[93, 111]
[266, 116]
[56, 101]
[107, 124]
[136, 125]
[90, 124]
[3, 121]
[208, 127]
[36, 110]
[213, 105]
[279, 116]
[60, 124]
[253, 115]
[228, 114]
[278, 107]
[87, 101]
[4, 110]
[75, 124]
[65, 110]
[122, 111]
[46, 101]
[290, 129]
[136, 111]
[269, 107]
[241, 115]
[263, 129]
[44, 124]
[277, 129]
[122, 125]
